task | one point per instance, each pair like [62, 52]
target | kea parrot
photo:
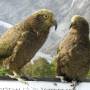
[73, 57]
[21, 42]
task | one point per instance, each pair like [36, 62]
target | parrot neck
[80, 35]
[80, 32]
[28, 26]
[22, 27]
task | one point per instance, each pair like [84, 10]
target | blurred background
[13, 11]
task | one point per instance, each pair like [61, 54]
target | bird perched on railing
[20, 43]
[73, 58]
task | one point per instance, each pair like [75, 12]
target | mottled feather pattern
[73, 60]
[21, 42]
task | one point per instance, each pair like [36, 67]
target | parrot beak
[55, 24]
[70, 26]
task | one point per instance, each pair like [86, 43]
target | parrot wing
[7, 43]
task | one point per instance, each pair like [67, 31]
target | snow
[4, 24]
[43, 55]
[41, 85]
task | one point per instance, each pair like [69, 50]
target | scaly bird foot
[61, 78]
[74, 84]
[16, 76]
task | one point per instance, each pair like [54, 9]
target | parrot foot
[61, 78]
[16, 76]
[22, 81]
[74, 84]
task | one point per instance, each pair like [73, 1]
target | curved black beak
[55, 24]
[71, 25]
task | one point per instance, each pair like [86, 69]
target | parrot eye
[45, 16]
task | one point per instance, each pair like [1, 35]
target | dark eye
[45, 16]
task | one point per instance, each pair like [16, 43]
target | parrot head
[79, 23]
[42, 20]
